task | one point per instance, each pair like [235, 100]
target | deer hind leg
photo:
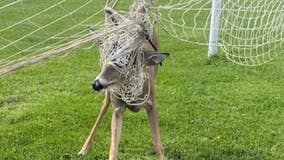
[154, 123]
[88, 143]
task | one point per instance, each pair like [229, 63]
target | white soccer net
[29, 28]
[250, 31]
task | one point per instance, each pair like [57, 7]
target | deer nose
[97, 86]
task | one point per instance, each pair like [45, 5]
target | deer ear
[109, 11]
[94, 34]
[155, 58]
[113, 16]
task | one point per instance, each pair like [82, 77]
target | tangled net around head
[126, 47]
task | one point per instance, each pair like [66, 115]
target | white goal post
[247, 32]
[214, 28]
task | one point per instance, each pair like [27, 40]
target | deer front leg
[116, 126]
[154, 123]
[89, 141]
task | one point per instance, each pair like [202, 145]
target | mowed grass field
[208, 109]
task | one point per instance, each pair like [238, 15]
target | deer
[109, 76]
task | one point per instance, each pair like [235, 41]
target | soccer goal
[248, 32]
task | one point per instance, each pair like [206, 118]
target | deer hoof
[82, 153]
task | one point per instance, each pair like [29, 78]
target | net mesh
[123, 50]
[29, 28]
[251, 31]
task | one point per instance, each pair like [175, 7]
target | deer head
[122, 54]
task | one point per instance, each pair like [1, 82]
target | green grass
[209, 109]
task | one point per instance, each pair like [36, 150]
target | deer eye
[114, 62]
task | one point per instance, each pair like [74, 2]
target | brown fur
[119, 107]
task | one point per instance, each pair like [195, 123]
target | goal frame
[214, 27]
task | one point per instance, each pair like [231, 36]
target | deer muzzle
[97, 86]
